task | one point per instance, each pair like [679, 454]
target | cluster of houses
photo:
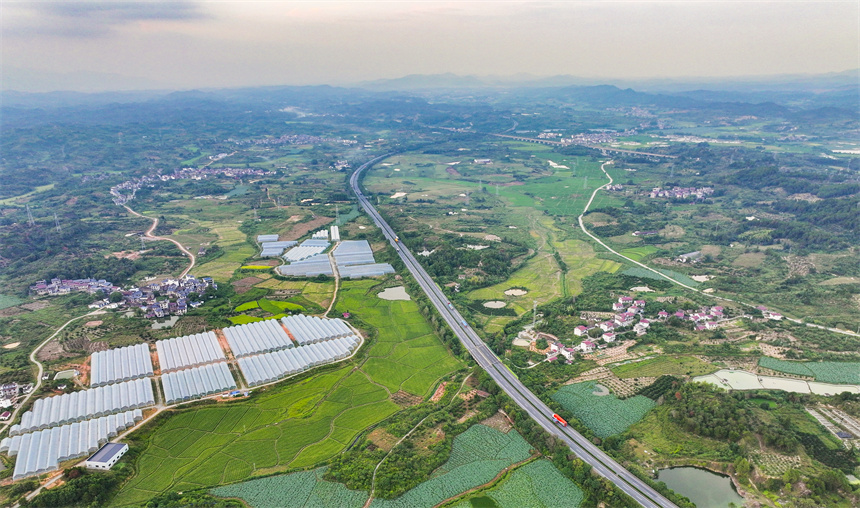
[681, 192]
[125, 192]
[629, 317]
[174, 294]
[292, 139]
[65, 286]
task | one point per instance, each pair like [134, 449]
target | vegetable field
[537, 484]
[9, 301]
[478, 455]
[638, 271]
[306, 488]
[605, 415]
[826, 372]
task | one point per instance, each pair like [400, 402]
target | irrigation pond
[704, 488]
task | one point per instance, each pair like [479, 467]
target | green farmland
[296, 424]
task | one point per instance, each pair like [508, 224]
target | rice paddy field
[605, 415]
[296, 424]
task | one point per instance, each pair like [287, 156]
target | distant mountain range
[849, 79]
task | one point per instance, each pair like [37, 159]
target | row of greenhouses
[197, 382]
[122, 364]
[188, 351]
[258, 337]
[42, 451]
[269, 367]
[84, 405]
[311, 329]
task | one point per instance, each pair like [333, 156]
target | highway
[602, 463]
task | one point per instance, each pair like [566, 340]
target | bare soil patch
[499, 422]
[35, 305]
[13, 345]
[11, 311]
[405, 399]
[440, 391]
[93, 324]
[124, 254]
[453, 172]
[805, 196]
[749, 260]
[243, 285]
[300, 230]
[382, 439]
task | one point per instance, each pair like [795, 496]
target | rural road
[149, 235]
[601, 463]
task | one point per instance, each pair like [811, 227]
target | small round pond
[704, 488]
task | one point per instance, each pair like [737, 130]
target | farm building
[308, 267]
[269, 367]
[117, 365]
[311, 329]
[93, 403]
[188, 351]
[197, 382]
[107, 456]
[335, 234]
[267, 238]
[42, 451]
[259, 337]
[358, 271]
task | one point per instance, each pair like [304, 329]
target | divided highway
[540, 412]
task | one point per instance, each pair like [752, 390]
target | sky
[121, 45]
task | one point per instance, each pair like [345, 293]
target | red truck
[560, 420]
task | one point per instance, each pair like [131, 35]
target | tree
[115, 297]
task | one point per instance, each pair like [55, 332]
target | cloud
[94, 18]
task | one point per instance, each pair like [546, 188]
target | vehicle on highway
[560, 420]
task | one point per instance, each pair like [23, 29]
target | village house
[608, 337]
[580, 330]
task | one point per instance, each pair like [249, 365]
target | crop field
[306, 488]
[637, 253]
[300, 424]
[7, 301]
[827, 372]
[638, 271]
[605, 415]
[537, 484]
[664, 365]
[317, 292]
[477, 456]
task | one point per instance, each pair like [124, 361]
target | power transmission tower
[336, 215]
[56, 222]
[142, 247]
[534, 314]
[30, 219]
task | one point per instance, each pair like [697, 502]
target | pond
[704, 488]
[398, 293]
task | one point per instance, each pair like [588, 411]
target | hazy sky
[97, 45]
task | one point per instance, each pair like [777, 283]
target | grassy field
[7, 301]
[664, 365]
[296, 425]
[637, 253]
